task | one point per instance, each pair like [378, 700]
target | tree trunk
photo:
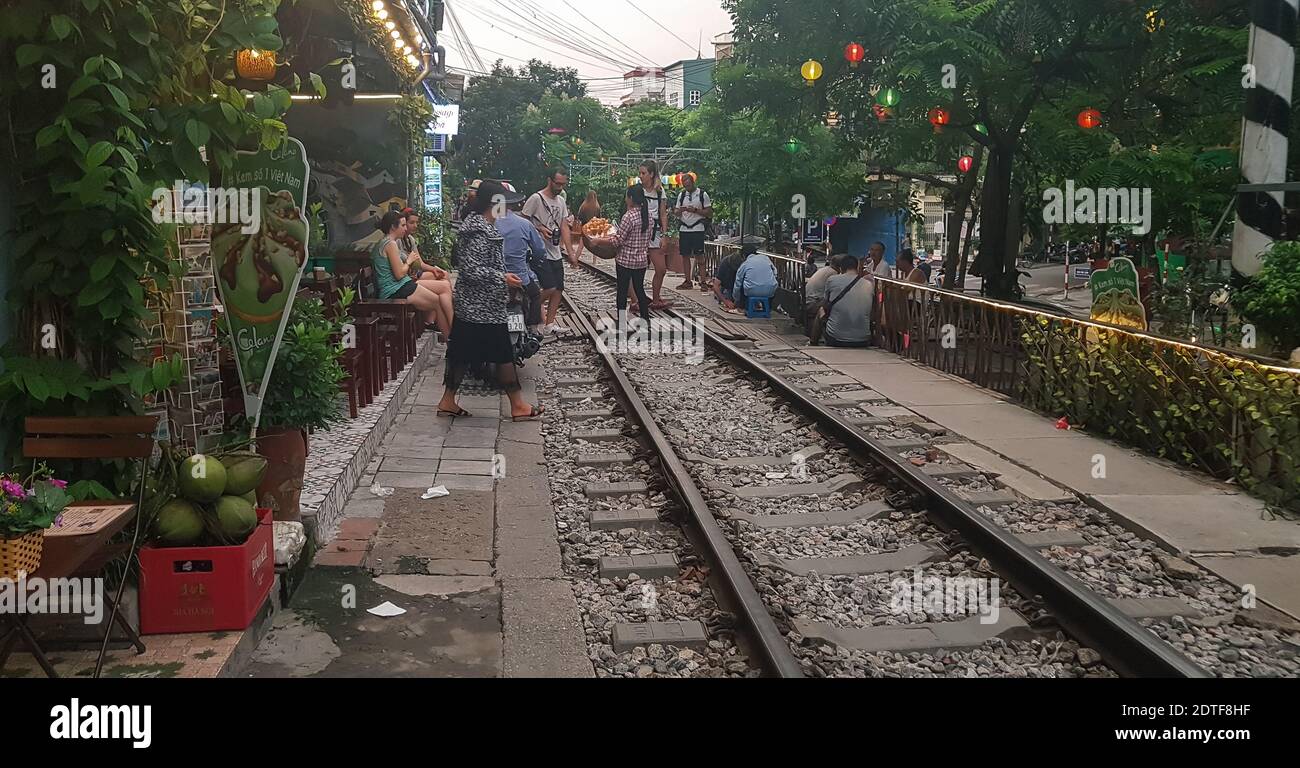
[952, 260]
[966, 246]
[1011, 250]
[990, 262]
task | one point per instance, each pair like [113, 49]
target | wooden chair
[111, 437]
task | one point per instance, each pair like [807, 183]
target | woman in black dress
[480, 338]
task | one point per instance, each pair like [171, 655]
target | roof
[639, 71]
[685, 61]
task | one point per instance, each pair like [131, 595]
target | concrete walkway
[477, 572]
[1223, 529]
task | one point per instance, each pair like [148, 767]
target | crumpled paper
[435, 491]
[381, 490]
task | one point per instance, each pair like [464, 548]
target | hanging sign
[814, 231]
[257, 272]
[1116, 297]
[446, 119]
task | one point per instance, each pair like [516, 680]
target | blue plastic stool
[758, 306]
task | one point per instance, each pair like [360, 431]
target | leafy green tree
[648, 124]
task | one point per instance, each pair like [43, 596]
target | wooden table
[87, 528]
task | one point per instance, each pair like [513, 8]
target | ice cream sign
[258, 272]
[1116, 297]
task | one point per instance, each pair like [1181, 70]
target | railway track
[830, 552]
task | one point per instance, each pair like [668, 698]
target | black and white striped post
[1270, 61]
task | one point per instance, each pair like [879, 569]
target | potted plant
[27, 508]
[302, 395]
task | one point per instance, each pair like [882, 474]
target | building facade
[687, 82]
[646, 84]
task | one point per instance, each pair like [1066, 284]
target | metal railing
[1228, 414]
[789, 275]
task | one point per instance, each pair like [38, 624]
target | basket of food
[595, 237]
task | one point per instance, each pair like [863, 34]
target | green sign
[1116, 296]
[258, 261]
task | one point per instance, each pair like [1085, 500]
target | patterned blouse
[480, 292]
[631, 241]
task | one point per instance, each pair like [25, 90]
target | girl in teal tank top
[387, 284]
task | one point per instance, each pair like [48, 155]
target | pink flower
[58, 521]
[13, 489]
[59, 483]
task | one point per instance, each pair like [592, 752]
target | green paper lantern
[793, 146]
[982, 128]
[888, 97]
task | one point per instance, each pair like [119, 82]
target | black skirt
[481, 355]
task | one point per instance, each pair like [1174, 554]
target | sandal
[536, 412]
[458, 412]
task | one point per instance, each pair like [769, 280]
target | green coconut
[250, 497]
[244, 472]
[236, 517]
[201, 478]
[179, 523]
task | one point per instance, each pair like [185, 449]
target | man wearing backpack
[694, 209]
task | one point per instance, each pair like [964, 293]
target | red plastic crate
[206, 589]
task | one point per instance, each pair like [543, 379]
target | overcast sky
[517, 30]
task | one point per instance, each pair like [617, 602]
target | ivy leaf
[317, 84]
[280, 97]
[94, 293]
[123, 103]
[29, 54]
[230, 113]
[98, 154]
[128, 159]
[36, 386]
[198, 133]
[61, 26]
[263, 107]
[92, 65]
[48, 135]
[102, 266]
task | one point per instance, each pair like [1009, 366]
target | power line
[530, 26]
[656, 21]
[635, 54]
[471, 54]
[563, 24]
[573, 54]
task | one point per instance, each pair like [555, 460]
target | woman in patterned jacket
[480, 338]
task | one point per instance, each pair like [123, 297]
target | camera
[555, 238]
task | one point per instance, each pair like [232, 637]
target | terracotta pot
[286, 454]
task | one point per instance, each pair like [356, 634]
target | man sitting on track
[725, 276]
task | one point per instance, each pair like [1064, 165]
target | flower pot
[285, 450]
[21, 555]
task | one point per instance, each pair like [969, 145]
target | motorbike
[524, 342]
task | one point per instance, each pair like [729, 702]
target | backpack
[709, 232]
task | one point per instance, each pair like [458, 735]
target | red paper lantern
[1089, 118]
[939, 117]
[965, 163]
[854, 53]
[882, 112]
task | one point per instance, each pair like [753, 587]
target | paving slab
[903, 389]
[468, 454]
[425, 465]
[462, 467]
[458, 527]
[464, 482]
[543, 633]
[1012, 476]
[1070, 458]
[471, 437]
[1203, 522]
[419, 480]
[1276, 579]
[994, 421]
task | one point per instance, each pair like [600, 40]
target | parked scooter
[524, 342]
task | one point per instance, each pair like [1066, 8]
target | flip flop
[536, 412]
[458, 412]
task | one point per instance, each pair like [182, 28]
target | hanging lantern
[854, 54]
[882, 113]
[887, 98]
[939, 117]
[556, 131]
[693, 176]
[965, 163]
[811, 70]
[1089, 118]
[793, 146]
[982, 128]
[252, 64]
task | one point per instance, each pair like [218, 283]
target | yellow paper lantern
[253, 64]
[811, 70]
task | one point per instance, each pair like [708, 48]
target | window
[695, 98]
[672, 98]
